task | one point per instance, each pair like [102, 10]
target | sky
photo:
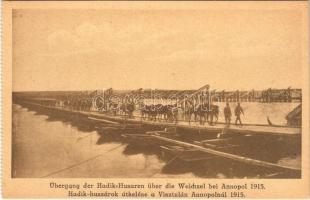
[228, 49]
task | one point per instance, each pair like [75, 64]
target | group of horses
[201, 113]
[122, 109]
[159, 112]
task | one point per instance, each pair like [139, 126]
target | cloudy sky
[171, 49]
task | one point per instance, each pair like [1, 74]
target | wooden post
[237, 96]
[289, 94]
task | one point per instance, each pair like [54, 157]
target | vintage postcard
[156, 99]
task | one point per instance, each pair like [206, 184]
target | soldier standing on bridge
[238, 111]
[227, 114]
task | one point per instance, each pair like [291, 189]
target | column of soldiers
[85, 105]
[81, 104]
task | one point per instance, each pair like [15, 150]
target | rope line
[80, 163]
[167, 163]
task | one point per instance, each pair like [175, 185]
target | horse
[213, 112]
[127, 109]
[161, 112]
[130, 108]
[172, 113]
[189, 110]
[202, 111]
[114, 107]
[150, 112]
[144, 110]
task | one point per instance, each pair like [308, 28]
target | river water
[52, 146]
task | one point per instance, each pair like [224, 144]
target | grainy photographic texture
[157, 91]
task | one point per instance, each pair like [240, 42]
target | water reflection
[45, 142]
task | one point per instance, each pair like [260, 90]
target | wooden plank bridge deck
[245, 129]
[219, 127]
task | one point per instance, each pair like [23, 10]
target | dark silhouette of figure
[238, 111]
[269, 122]
[227, 113]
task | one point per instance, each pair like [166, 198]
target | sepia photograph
[134, 94]
[198, 91]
